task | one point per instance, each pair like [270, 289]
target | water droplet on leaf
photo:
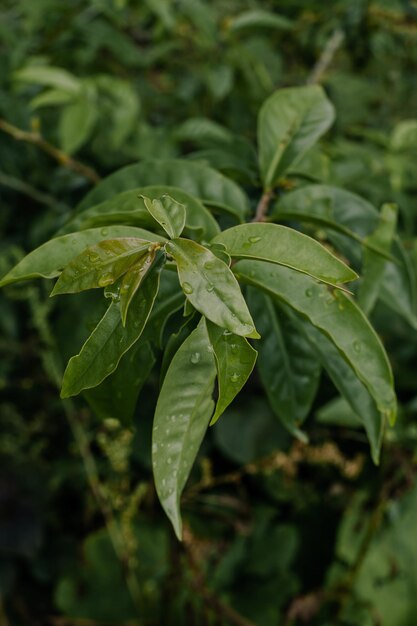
[235, 377]
[195, 357]
[254, 239]
[105, 279]
[309, 292]
[357, 346]
[186, 287]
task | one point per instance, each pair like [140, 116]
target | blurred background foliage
[278, 533]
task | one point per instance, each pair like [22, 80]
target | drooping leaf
[211, 287]
[50, 258]
[259, 18]
[169, 213]
[108, 342]
[336, 315]
[398, 287]
[132, 280]
[374, 264]
[287, 365]
[290, 122]
[117, 395]
[235, 360]
[129, 207]
[285, 246]
[181, 418]
[49, 76]
[200, 181]
[100, 265]
[77, 123]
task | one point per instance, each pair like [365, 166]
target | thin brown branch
[262, 208]
[325, 60]
[223, 610]
[60, 156]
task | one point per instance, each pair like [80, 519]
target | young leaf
[198, 180]
[49, 259]
[374, 264]
[169, 213]
[290, 122]
[235, 360]
[182, 414]
[76, 123]
[285, 246]
[287, 364]
[211, 287]
[336, 315]
[132, 280]
[100, 265]
[117, 395]
[108, 342]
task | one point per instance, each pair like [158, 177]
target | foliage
[234, 296]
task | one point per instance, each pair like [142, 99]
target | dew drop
[208, 265]
[154, 448]
[226, 333]
[93, 257]
[235, 377]
[169, 460]
[195, 358]
[104, 232]
[105, 279]
[309, 292]
[234, 347]
[210, 287]
[357, 346]
[110, 367]
[254, 239]
[186, 287]
[173, 418]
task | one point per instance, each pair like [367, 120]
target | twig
[18, 185]
[223, 610]
[63, 159]
[262, 208]
[323, 63]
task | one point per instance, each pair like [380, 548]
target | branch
[63, 159]
[262, 207]
[323, 63]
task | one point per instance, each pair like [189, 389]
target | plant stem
[323, 63]
[63, 159]
[262, 208]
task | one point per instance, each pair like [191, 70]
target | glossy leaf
[259, 18]
[285, 246]
[182, 415]
[132, 280]
[50, 258]
[290, 122]
[211, 287]
[108, 342]
[346, 381]
[336, 315]
[374, 264]
[49, 76]
[287, 365]
[117, 395]
[200, 181]
[129, 207]
[76, 124]
[169, 300]
[169, 213]
[235, 360]
[100, 265]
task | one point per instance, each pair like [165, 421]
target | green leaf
[76, 124]
[169, 300]
[258, 18]
[235, 360]
[129, 207]
[132, 280]
[200, 181]
[51, 97]
[211, 287]
[50, 258]
[50, 77]
[169, 213]
[117, 395]
[336, 315]
[182, 414]
[101, 353]
[100, 265]
[290, 122]
[374, 264]
[342, 373]
[285, 246]
[287, 364]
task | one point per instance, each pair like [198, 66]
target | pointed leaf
[374, 264]
[285, 246]
[108, 342]
[338, 317]
[235, 360]
[182, 414]
[200, 181]
[132, 280]
[290, 122]
[100, 265]
[49, 259]
[169, 213]
[211, 287]
[129, 207]
[287, 365]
